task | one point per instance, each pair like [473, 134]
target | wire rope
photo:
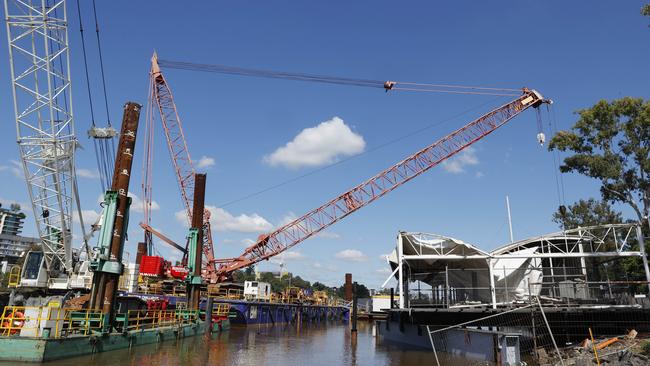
[388, 85]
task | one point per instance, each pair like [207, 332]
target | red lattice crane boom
[271, 244]
[162, 97]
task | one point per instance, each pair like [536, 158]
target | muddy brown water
[311, 345]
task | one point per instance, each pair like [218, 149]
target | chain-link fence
[507, 338]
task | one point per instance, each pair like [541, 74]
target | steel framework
[40, 69]
[313, 222]
[611, 241]
[161, 96]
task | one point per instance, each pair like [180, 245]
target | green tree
[587, 213]
[645, 10]
[610, 142]
[362, 291]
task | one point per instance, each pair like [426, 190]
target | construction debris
[616, 351]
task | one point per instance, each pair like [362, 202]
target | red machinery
[160, 95]
[285, 237]
[152, 266]
[274, 243]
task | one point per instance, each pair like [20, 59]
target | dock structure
[558, 285]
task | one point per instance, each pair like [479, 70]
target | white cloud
[328, 267]
[15, 167]
[6, 203]
[87, 173]
[351, 255]
[289, 217]
[247, 242]
[328, 235]
[383, 271]
[226, 241]
[223, 220]
[383, 257]
[292, 256]
[316, 146]
[457, 164]
[137, 205]
[90, 217]
[205, 162]
[479, 174]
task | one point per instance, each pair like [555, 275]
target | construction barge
[37, 334]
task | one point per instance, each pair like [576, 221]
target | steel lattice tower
[40, 77]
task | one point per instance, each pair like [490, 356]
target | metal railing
[221, 310]
[229, 294]
[569, 291]
[49, 322]
[159, 290]
[146, 319]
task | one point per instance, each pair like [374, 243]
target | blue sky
[573, 52]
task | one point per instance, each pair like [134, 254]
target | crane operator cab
[34, 273]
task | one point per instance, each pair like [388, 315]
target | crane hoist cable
[387, 85]
[101, 68]
[104, 150]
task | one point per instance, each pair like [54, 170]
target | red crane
[160, 95]
[274, 243]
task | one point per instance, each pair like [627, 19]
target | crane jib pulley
[271, 244]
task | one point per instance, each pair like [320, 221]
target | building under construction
[576, 279]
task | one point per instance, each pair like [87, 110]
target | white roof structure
[514, 271]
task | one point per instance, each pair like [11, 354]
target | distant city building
[11, 225]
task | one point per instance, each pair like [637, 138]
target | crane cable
[387, 85]
[111, 154]
[102, 152]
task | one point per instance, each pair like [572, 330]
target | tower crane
[300, 229]
[161, 97]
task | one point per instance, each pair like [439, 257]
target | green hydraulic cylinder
[192, 251]
[195, 244]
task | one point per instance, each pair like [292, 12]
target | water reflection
[319, 344]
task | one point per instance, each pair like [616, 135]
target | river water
[311, 345]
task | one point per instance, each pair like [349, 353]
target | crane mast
[274, 243]
[161, 96]
[39, 61]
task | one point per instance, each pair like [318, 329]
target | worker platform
[38, 334]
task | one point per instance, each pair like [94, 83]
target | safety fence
[228, 294]
[49, 322]
[512, 286]
[146, 319]
[275, 298]
[55, 322]
[515, 336]
[156, 289]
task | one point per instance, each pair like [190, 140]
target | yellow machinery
[292, 295]
[320, 297]
[14, 276]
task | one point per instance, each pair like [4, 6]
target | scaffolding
[578, 266]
